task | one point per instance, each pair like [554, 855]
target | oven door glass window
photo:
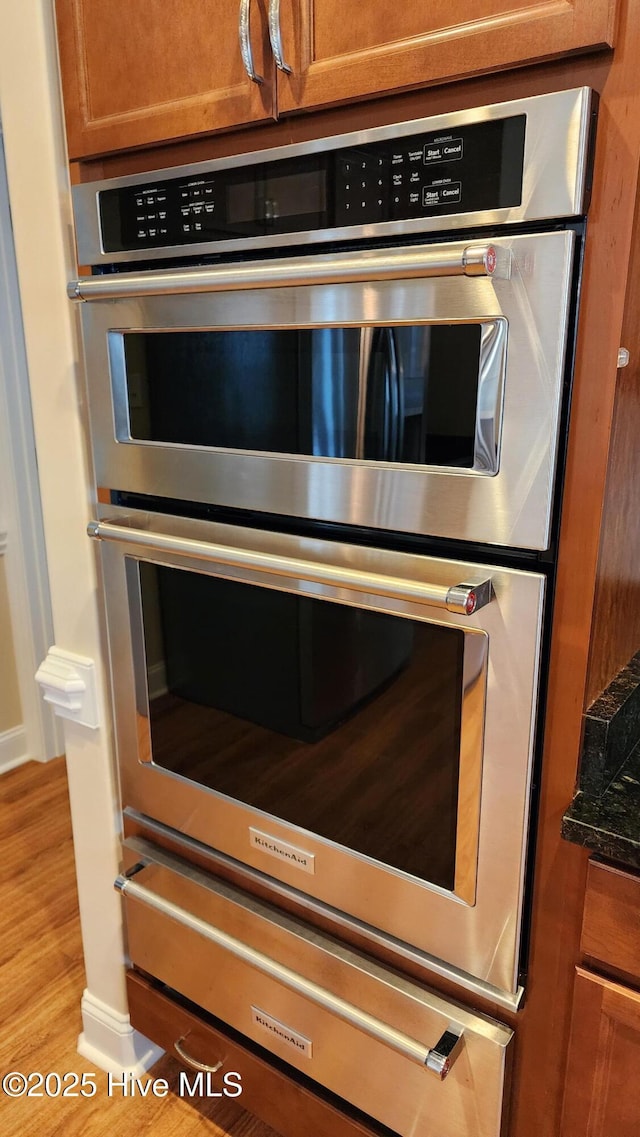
[427, 394]
[360, 727]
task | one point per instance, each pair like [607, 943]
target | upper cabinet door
[339, 51]
[137, 72]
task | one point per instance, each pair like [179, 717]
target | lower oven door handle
[463, 598]
[470, 260]
[438, 1059]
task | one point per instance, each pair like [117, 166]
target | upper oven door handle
[462, 598]
[343, 268]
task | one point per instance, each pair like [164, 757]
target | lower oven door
[355, 723]
[414, 1061]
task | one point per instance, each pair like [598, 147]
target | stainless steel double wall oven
[327, 392]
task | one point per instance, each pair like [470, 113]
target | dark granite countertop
[605, 812]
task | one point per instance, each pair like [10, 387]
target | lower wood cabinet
[602, 1097]
[602, 1094]
[611, 921]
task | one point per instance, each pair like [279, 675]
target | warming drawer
[395, 1050]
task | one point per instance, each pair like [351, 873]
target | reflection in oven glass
[385, 394]
[339, 720]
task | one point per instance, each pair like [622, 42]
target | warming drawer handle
[244, 35]
[193, 1062]
[438, 1059]
[464, 599]
[440, 261]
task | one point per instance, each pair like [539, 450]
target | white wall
[39, 196]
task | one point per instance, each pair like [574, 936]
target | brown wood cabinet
[611, 921]
[139, 72]
[341, 51]
[602, 1087]
[602, 1095]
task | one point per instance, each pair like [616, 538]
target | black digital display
[468, 169]
[272, 198]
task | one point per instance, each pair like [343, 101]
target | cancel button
[449, 151]
[444, 193]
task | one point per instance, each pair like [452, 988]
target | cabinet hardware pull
[244, 34]
[623, 357]
[437, 1060]
[193, 1062]
[275, 35]
[463, 598]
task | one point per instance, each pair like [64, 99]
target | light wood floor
[42, 979]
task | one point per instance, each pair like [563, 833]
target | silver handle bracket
[441, 1058]
[469, 598]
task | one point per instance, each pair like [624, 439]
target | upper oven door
[414, 390]
[355, 723]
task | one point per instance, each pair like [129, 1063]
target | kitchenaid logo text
[284, 1033]
[298, 857]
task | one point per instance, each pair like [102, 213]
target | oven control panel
[517, 162]
[471, 168]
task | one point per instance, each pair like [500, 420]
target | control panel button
[446, 193]
[447, 150]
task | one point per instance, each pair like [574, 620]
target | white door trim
[20, 511]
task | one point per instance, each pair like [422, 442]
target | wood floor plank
[42, 979]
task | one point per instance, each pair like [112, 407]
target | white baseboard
[109, 1041]
[13, 748]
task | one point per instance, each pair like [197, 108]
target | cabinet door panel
[602, 1094]
[135, 72]
[343, 51]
